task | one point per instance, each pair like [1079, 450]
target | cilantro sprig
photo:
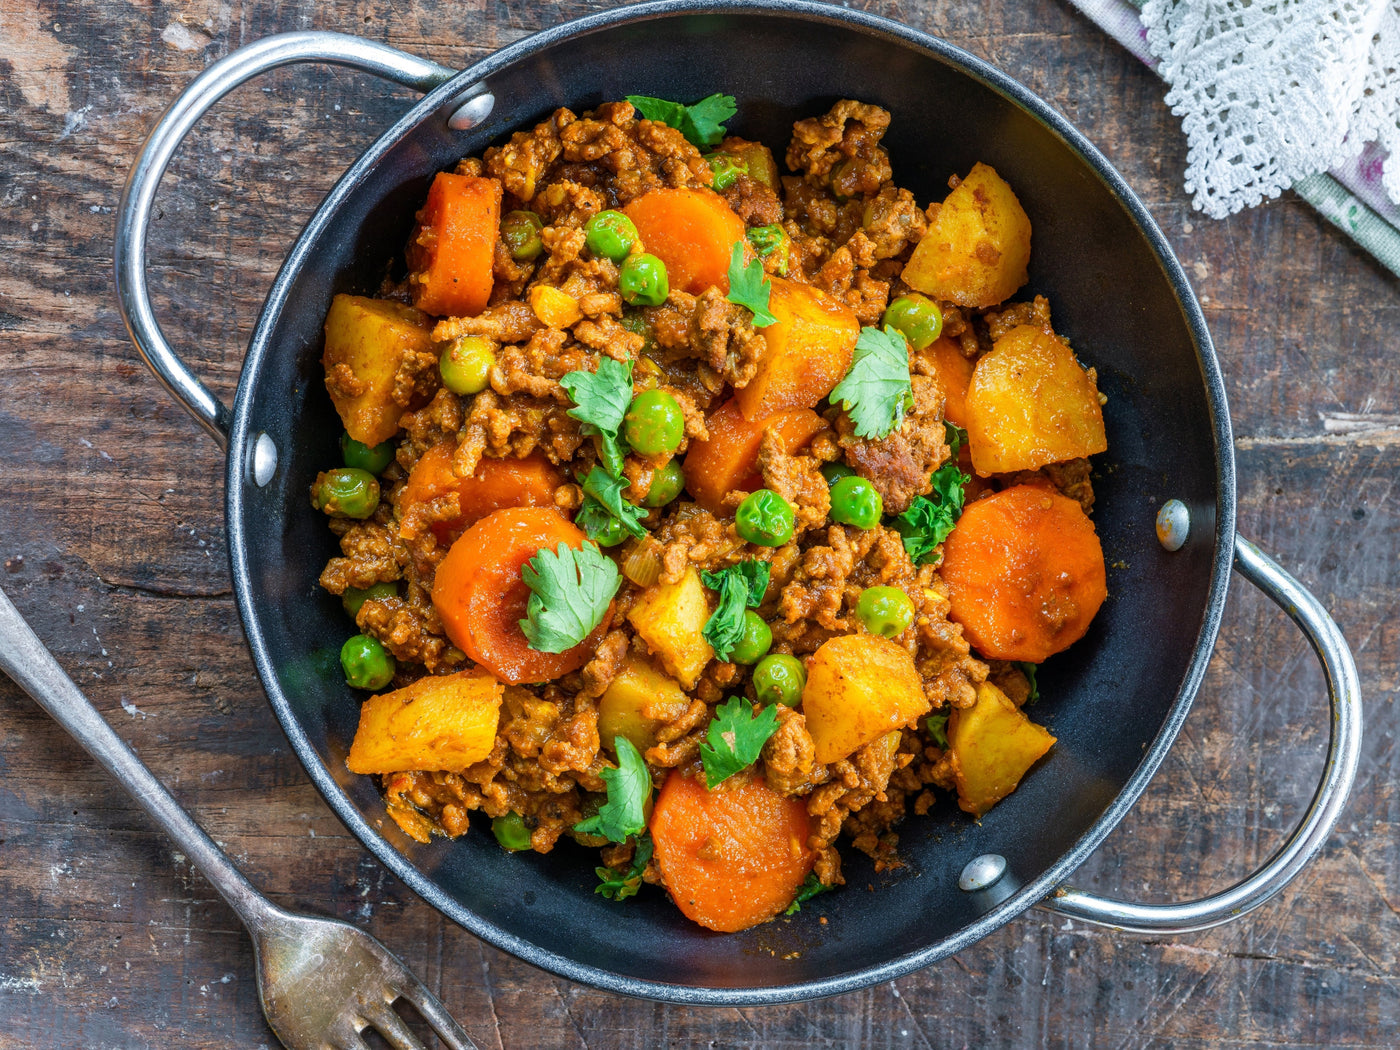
[629, 786]
[877, 389]
[735, 738]
[600, 403]
[811, 886]
[749, 286]
[702, 123]
[602, 499]
[1029, 669]
[619, 885]
[929, 520]
[740, 586]
[571, 591]
[938, 729]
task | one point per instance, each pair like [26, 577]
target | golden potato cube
[993, 744]
[638, 702]
[1029, 403]
[367, 340]
[978, 245]
[445, 723]
[670, 617]
[554, 307]
[859, 687]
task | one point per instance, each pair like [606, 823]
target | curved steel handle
[1343, 753]
[134, 213]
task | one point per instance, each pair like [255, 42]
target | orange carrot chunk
[954, 373]
[692, 232]
[1025, 573]
[497, 483]
[733, 857]
[729, 459]
[450, 254]
[481, 599]
[807, 352]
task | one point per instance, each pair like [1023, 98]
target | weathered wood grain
[112, 543]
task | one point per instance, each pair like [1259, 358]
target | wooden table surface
[113, 544]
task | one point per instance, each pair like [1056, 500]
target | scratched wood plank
[112, 543]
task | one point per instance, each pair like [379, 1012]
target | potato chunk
[670, 617]
[859, 687]
[993, 744]
[639, 701]
[806, 354]
[978, 245]
[368, 341]
[438, 723]
[1029, 403]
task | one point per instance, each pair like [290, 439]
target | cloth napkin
[1274, 93]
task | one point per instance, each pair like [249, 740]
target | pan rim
[238, 473]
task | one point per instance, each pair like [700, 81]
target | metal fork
[321, 982]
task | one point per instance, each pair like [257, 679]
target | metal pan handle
[134, 214]
[1343, 753]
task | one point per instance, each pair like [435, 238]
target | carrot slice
[733, 857]
[451, 253]
[497, 483]
[692, 232]
[481, 599]
[1025, 573]
[729, 459]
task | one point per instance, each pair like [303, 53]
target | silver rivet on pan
[982, 872]
[472, 112]
[264, 460]
[1173, 524]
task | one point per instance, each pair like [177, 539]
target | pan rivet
[264, 460]
[472, 112]
[1173, 524]
[982, 872]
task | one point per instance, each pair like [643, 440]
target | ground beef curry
[701, 513]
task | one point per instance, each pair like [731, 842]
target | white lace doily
[1273, 90]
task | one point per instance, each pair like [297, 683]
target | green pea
[834, 472]
[764, 518]
[367, 664]
[346, 492]
[886, 611]
[511, 832]
[465, 365]
[654, 424]
[854, 501]
[521, 232]
[354, 597]
[666, 484]
[610, 234]
[643, 280]
[609, 533]
[358, 454]
[754, 642]
[779, 679]
[725, 170]
[917, 317]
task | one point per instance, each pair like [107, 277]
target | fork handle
[25, 659]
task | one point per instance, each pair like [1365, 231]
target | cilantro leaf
[810, 887]
[738, 585]
[938, 729]
[877, 388]
[619, 885]
[735, 739]
[606, 490]
[748, 286]
[572, 589]
[702, 124]
[1029, 669]
[629, 786]
[956, 438]
[928, 522]
[600, 403]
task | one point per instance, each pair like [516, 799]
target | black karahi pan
[1115, 701]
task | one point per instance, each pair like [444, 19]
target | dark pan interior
[1114, 701]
